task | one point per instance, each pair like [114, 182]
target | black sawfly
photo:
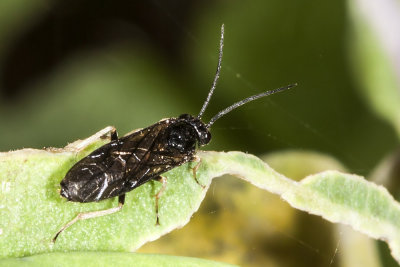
[144, 155]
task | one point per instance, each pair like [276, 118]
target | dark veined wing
[154, 159]
[120, 166]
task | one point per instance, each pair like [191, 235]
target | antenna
[214, 84]
[244, 101]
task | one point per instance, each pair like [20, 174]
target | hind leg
[92, 214]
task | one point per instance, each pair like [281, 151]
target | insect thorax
[186, 132]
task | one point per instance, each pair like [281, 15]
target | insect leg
[195, 168]
[92, 214]
[114, 135]
[162, 180]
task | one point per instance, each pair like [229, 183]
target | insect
[144, 155]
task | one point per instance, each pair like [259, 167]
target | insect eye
[204, 135]
[205, 138]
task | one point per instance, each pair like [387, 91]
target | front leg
[195, 168]
[162, 180]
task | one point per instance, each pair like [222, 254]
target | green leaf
[32, 210]
[355, 248]
[89, 259]
[336, 196]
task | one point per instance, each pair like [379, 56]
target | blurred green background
[70, 68]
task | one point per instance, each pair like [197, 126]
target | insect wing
[155, 158]
[103, 174]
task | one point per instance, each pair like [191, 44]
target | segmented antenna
[214, 84]
[244, 101]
